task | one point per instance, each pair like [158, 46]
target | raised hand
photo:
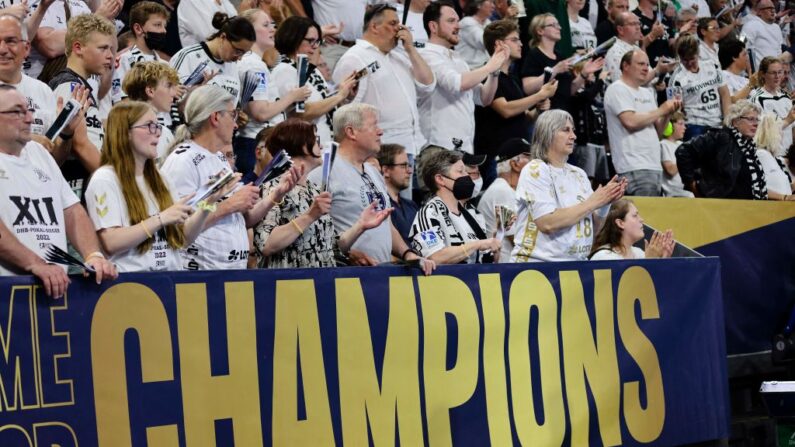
[287, 182]
[370, 218]
[321, 205]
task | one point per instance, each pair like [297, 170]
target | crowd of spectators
[466, 134]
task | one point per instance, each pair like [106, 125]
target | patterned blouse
[316, 247]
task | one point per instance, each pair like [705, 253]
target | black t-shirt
[491, 129]
[173, 44]
[604, 31]
[534, 65]
[660, 46]
[403, 216]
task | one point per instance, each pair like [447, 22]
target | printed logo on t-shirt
[33, 211]
[430, 238]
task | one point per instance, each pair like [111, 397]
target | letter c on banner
[123, 307]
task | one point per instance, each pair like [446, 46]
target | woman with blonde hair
[545, 33]
[139, 222]
[768, 142]
[771, 98]
[623, 227]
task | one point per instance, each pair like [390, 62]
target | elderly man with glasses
[764, 35]
[37, 207]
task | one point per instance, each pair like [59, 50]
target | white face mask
[478, 187]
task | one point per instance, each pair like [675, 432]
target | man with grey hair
[40, 99]
[402, 76]
[512, 156]
[354, 185]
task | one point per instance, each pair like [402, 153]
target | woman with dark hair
[221, 51]
[139, 221]
[301, 35]
[298, 230]
[623, 227]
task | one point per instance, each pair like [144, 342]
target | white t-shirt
[33, 197]
[734, 82]
[610, 255]
[541, 190]
[40, 100]
[436, 227]
[96, 131]
[284, 78]
[582, 34]
[224, 245]
[54, 18]
[124, 62]
[251, 63]
[775, 177]
[414, 24]
[107, 208]
[672, 186]
[700, 93]
[705, 53]
[195, 19]
[780, 104]
[471, 47]
[498, 193]
[350, 12]
[631, 151]
[764, 39]
[189, 58]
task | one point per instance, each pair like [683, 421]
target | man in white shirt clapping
[448, 113]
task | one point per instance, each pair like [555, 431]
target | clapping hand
[661, 245]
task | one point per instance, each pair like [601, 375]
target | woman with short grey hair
[558, 213]
[727, 159]
[448, 229]
[197, 160]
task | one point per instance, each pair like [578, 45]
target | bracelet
[66, 137]
[408, 250]
[270, 196]
[146, 230]
[464, 249]
[297, 227]
[204, 206]
[95, 254]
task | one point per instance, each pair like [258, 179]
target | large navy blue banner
[600, 353]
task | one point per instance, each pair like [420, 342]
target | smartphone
[69, 111]
[370, 68]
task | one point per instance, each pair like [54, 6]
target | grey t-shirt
[351, 192]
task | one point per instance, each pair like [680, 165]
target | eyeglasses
[314, 43]
[405, 165]
[553, 25]
[269, 25]
[238, 52]
[767, 8]
[153, 127]
[751, 120]
[232, 113]
[18, 113]
[513, 39]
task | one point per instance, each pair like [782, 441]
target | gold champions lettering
[391, 403]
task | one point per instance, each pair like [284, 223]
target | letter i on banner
[303, 68]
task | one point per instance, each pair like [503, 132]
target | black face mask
[155, 41]
[463, 187]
